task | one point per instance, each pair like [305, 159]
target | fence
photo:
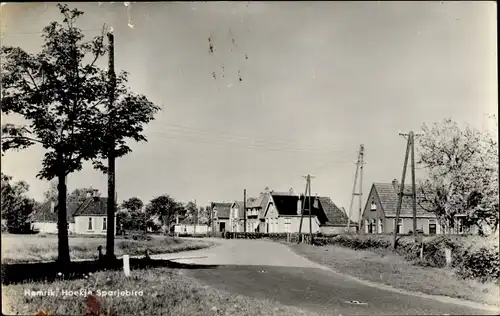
[191, 229]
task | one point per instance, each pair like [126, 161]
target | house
[220, 216]
[379, 215]
[336, 222]
[88, 217]
[279, 212]
[237, 217]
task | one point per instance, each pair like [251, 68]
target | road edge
[440, 298]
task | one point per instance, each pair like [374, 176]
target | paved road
[265, 269]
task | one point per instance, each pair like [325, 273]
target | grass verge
[33, 248]
[164, 292]
[395, 271]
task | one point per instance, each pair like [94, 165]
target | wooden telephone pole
[110, 245]
[359, 170]
[245, 210]
[410, 146]
[308, 189]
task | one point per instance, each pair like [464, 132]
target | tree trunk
[63, 258]
[110, 240]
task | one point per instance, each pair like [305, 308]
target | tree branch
[23, 137]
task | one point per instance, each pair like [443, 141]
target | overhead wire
[176, 128]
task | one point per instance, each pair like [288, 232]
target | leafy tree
[133, 204]
[204, 218]
[16, 206]
[80, 195]
[166, 208]
[462, 167]
[134, 217]
[50, 195]
[191, 212]
[57, 91]
[77, 195]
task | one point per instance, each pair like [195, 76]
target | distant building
[379, 215]
[88, 217]
[279, 212]
[220, 216]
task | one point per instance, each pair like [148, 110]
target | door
[222, 227]
[432, 229]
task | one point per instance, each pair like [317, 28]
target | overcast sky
[317, 80]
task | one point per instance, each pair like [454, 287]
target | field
[37, 248]
[164, 292]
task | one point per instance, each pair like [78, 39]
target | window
[370, 226]
[460, 225]
[380, 226]
[104, 223]
[432, 227]
[367, 224]
[373, 206]
[288, 222]
[90, 224]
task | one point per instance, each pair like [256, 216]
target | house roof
[241, 209]
[223, 209]
[286, 204]
[388, 197]
[334, 215]
[45, 213]
[91, 206]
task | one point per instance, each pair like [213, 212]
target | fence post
[447, 252]
[126, 265]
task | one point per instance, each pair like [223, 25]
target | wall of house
[290, 224]
[336, 229]
[407, 223]
[217, 225]
[44, 227]
[373, 211]
[82, 225]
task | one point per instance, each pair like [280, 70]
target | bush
[473, 257]
[482, 265]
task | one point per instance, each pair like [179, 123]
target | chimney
[52, 206]
[291, 191]
[395, 185]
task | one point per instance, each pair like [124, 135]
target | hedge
[472, 257]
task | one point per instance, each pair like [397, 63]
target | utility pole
[245, 210]
[361, 163]
[110, 245]
[413, 188]
[359, 167]
[310, 211]
[410, 145]
[302, 206]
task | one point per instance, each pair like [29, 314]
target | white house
[88, 217]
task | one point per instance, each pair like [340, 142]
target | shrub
[482, 265]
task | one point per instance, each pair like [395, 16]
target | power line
[238, 135]
[231, 144]
[260, 144]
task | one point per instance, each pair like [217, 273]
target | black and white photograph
[249, 158]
